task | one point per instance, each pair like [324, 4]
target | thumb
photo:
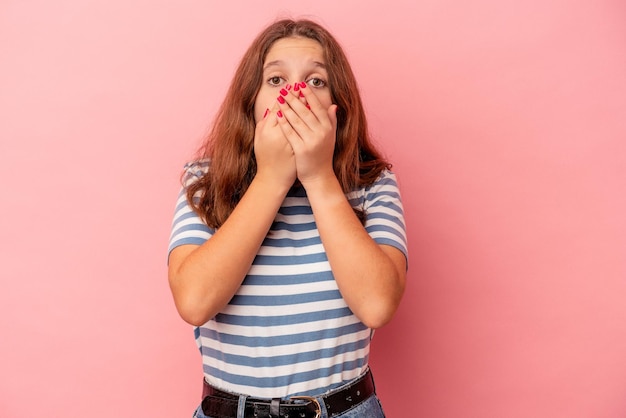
[332, 114]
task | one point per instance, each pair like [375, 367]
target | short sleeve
[384, 212]
[187, 226]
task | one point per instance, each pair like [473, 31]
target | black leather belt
[220, 404]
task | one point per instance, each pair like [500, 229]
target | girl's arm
[371, 277]
[203, 278]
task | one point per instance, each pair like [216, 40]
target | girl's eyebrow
[278, 63]
[272, 64]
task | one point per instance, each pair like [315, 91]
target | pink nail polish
[280, 114]
[302, 85]
[288, 86]
[301, 95]
[296, 87]
[284, 92]
[281, 100]
[308, 107]
[266, 112]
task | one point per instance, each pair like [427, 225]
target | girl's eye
[274, 81]
[316, 82]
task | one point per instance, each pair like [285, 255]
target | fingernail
[284, 92]
[266, 112]
[281, 99]
[302, 85]
[288, 86]
[296, 87]
[308, 107]
[301, 95]
[280, 114]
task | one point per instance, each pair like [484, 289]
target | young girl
[288, 245]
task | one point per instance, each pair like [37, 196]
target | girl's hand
[274, 155]
[311, 130]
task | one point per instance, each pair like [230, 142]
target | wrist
[271, 184]
[322, 185]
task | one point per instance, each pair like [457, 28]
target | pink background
[506, 121]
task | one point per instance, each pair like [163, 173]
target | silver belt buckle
[318, 407]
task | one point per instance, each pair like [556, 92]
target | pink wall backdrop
[506, 121]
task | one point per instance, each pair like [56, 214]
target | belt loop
[241, 406]
[275, 408]
[323, 410]
[371, 378]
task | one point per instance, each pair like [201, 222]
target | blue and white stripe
[287, 330]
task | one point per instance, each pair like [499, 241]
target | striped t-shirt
[287, 331]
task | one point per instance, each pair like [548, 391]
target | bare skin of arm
[203, 278]
[371, 277]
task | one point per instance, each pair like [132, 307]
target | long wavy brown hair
[230, 143]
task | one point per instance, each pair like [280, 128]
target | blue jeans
[369, 408]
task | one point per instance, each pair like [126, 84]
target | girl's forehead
[294, 47]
